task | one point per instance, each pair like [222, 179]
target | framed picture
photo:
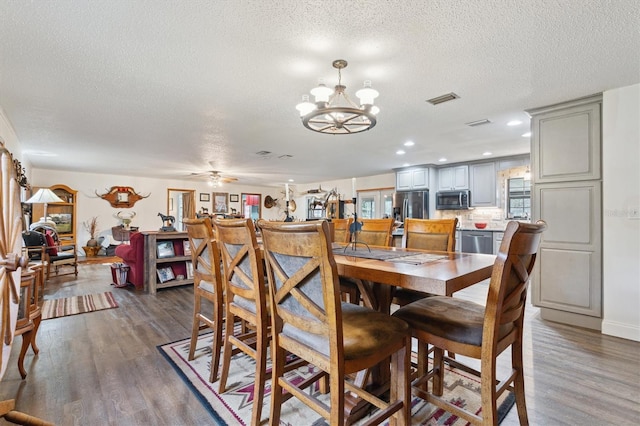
[205, 197]
[165, 249]
[220, 202]
[165, 274]
[234, 198]
[189, 270]
[186, 245]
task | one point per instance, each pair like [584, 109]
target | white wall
[621, 193]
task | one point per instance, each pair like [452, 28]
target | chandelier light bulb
[321, 93]
[305, 107]
[367, 94]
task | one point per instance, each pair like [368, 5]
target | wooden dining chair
[341, 233]
[245, 301]
[425, 234]
[374, 232]
[309, 321]
[481, 332]
[207, 284]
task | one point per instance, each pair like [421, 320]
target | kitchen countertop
[398, 232]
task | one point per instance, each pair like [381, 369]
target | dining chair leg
[36, 326]
[438, 378]
[518, 385]
[195, 326]
[277, 370]
[261, 373]
[401, 391]
[226, 354]
[216, 346]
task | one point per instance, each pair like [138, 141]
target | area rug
[234, 406]
[55, 308]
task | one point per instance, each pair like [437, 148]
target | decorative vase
[92, 243]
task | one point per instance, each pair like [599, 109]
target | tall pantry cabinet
[567, 195]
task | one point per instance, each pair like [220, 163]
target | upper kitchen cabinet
[566, 141]
[483, 184]
[414, 178]
[453, 178]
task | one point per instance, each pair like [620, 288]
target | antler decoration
[122, 196]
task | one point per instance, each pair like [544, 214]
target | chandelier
[334, 112]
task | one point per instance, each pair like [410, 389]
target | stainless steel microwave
[453, 200]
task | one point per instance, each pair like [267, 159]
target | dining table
[377, 271]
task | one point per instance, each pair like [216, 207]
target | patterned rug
[54, 308]
[234, 406]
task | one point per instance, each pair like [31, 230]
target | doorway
[181, 204]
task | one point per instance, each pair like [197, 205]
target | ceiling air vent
[263, 152]
[285, 156]
[444, 98]
[478, 122]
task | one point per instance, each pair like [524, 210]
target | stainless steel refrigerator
[413, 204]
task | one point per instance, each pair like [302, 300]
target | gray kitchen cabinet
[414, 178]
[453, 178]
[511, 162]
[567, 195]
[566, 141]
[482, 178]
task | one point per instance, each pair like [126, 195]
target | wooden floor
[103, 368]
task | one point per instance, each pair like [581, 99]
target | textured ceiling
[167, 88]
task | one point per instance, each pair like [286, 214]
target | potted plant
[92, 228]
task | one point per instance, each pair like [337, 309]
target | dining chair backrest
[341, 233]
[376, 232]
[242, 267]
[507, 294]
[304, 289]
[205, 255]
[430, 234]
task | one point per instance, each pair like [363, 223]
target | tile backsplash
[495, 217]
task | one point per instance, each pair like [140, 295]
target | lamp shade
[44, 195]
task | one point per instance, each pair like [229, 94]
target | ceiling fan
[215, 178]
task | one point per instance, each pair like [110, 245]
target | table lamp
[44, 196]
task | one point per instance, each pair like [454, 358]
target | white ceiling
[167, 88]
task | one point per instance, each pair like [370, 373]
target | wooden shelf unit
[178, 262]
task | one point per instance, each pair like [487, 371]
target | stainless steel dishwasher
[477, 242]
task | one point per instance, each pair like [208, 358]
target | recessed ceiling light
[486, 153]
[442, 159]
[409, 143]
[526, 135]
[514, 123]
[406, 165]
[400, 152]
[291, 180]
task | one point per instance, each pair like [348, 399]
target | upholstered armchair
[133, 255]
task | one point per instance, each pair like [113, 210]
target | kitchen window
[518, 198]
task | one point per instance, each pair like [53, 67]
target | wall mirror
[518, 198]
[181, 203]
[251, 205]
